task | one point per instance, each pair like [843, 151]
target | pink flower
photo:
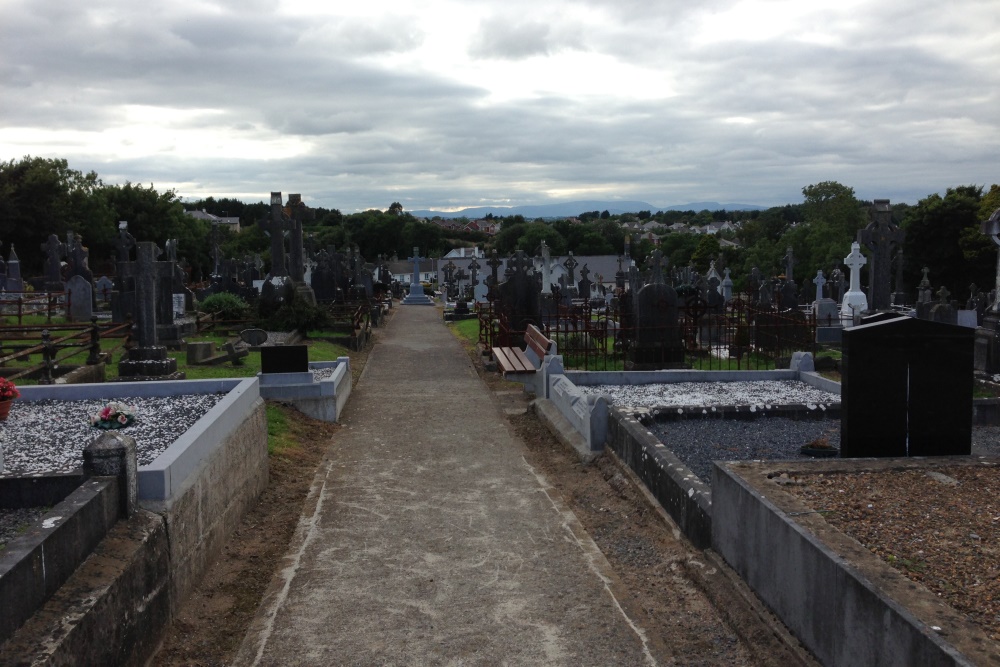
[106, 412]
[122, 419]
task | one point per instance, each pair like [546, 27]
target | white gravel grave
[707, 394]
[49, 436]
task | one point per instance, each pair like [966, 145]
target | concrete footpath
[427, 538]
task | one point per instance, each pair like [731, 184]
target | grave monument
[147, 359]
[882, 237]
[855, 302]
[416, 297]
[988, 336]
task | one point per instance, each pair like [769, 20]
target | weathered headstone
[80, 294]
[14, 281]
[147, 359]
[882, 237]
[906, 388]
[104, 286]
[54, 251]
[658, 342]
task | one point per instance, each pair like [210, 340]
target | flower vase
[5, 408]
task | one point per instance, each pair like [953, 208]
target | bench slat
[512, 360]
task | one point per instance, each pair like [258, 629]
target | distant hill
[574, 208]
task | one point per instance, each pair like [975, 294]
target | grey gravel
[49, 436]
[758, 392]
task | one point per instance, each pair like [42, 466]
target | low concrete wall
[35, 564]
[110, 611]
[588, 413]
[591, 378]
[842, 602]
[685, 498]
[203, 511]
[324, 400]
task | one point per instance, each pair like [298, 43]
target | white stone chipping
[49, 436]
[707, 394]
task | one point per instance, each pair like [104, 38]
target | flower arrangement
[8, 391]
[112, 416]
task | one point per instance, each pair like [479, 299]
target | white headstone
[855, 300]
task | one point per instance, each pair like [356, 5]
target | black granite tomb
[906, 388]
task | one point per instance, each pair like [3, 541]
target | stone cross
[276, 226]
[881, 236]
[125, 242]
[943, 294]
[571, 265]
[416, 259]
[789, 260]
[494, 263]
[656, 268]
[299, 212]
[474, 270]
[55, 250]
[854, 262]
[819, 281]
[546, 269]
[147, 272]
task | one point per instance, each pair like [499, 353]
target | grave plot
[701, 422]
[48, 436]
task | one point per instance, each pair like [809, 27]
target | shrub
[297, 314]
[227, 306]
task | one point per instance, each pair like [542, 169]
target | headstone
[988, 337]
[275, 225]
[727, 287]
[14, 282]
[943, 311]
[54, 251]
[658, 342]
[416, 297]
[284, 359]
[855, 301]
[253, 337]
[896, 399]
[104, 286]
[147, 359]
[827, 311]
[584, 287]
[882, 237]
[80, 294]
[518, 298]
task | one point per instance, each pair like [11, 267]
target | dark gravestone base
[148, 363]
[655, 358]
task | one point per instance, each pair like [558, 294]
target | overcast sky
[446, 104]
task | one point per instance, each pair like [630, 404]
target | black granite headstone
[284, 359]
[906, 388]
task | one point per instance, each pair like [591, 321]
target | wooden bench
[514, 361]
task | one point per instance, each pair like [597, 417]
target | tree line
[42, 196]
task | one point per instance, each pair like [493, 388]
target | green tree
[535, 233]
[707, 250]
[39, 197]
[934, 231]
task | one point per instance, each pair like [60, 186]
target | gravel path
[49, 436]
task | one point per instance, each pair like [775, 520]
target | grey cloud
[510, 40]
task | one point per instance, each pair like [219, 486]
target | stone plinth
[148, 362]
[416, 297]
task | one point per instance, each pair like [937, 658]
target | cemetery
[709, 395]
[192, 453]
[907, 372]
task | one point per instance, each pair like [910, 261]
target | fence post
[20, 310]
[95, 343]
[48, 354]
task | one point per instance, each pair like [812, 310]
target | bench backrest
[538, 342]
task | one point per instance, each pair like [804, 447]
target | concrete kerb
[324, 399]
